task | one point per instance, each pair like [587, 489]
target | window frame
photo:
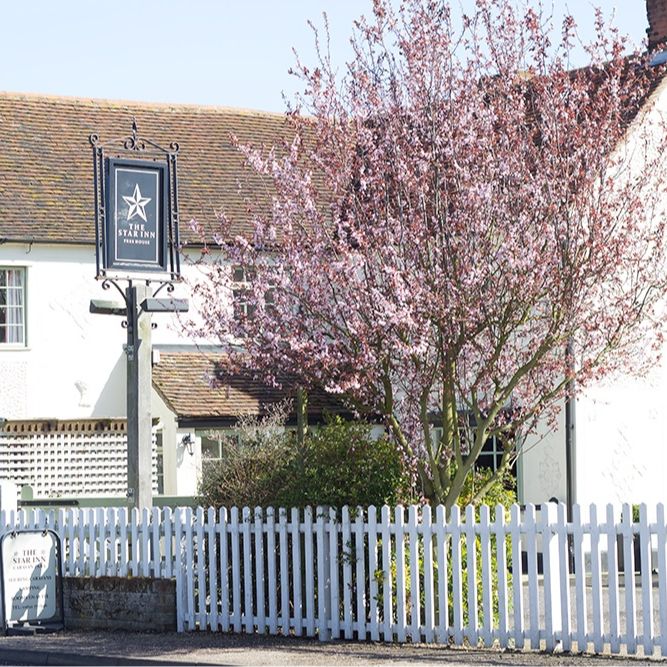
[242, 278]
[223, 433]
[241, 285]
[23, 344]
[492, 449]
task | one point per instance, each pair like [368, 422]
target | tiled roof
[46, 189]
[194, 387]
[46, 174]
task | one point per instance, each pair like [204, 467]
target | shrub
[254, 466]
[341, 464]
[502, 491]
[344, 465]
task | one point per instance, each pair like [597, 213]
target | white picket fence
[397, 574]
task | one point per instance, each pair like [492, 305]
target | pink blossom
[447, 221]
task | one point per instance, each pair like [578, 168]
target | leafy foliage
[342, 464]
[254, 466]
[457, 229]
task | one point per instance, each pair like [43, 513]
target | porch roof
[194, 387]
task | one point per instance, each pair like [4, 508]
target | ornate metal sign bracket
[136, 240]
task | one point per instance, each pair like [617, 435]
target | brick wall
[656, 12]
[119, 603]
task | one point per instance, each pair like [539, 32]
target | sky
[234, 53]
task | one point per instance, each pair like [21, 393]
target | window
[242, 278]
[12, 306]
[491, 455]
[159, 455]
[213, 443]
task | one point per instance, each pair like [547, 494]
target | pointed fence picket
[391, 574]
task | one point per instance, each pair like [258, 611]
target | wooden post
[139, 436]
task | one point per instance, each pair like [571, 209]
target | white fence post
[334, 602]
[271, 570]
[346, 556]
[662, 575]
[296, 572]
[260, 602]
[284, 572]
[442, 560]
[178, 570]
[225, 594]
[323, 574]
[427, 545]
[596, 580]
[472, 631]
[646, 579]
[401, 617]
[551, 568]
[248, 616]
[372, 571]
[415, 603]
[517, 571]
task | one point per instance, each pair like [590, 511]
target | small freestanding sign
[30, 565]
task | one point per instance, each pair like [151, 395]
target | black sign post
[136, 232]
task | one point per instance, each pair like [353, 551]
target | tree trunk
[301, 424]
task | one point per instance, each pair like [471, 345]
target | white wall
[542, 465]
[181, 469]
[620, 422]
[73, 366]
[621, 434]
[621, 440]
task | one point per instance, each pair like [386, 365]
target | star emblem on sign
[137, 204]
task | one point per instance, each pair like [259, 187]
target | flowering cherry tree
[459, 230]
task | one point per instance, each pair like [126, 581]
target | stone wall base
[119, 603]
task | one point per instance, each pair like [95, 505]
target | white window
[213, 443]
[243, 278]
[12, 306]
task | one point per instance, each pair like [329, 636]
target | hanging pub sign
[136, 218]
[136, 215]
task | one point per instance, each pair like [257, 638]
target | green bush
[344, 465]
[254, 466]
[341, 464]
[502, 491]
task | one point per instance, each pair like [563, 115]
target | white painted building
[617, 428]
[63, 371]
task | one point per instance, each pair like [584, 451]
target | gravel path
[226, 649]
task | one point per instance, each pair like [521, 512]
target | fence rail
[523, 579]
